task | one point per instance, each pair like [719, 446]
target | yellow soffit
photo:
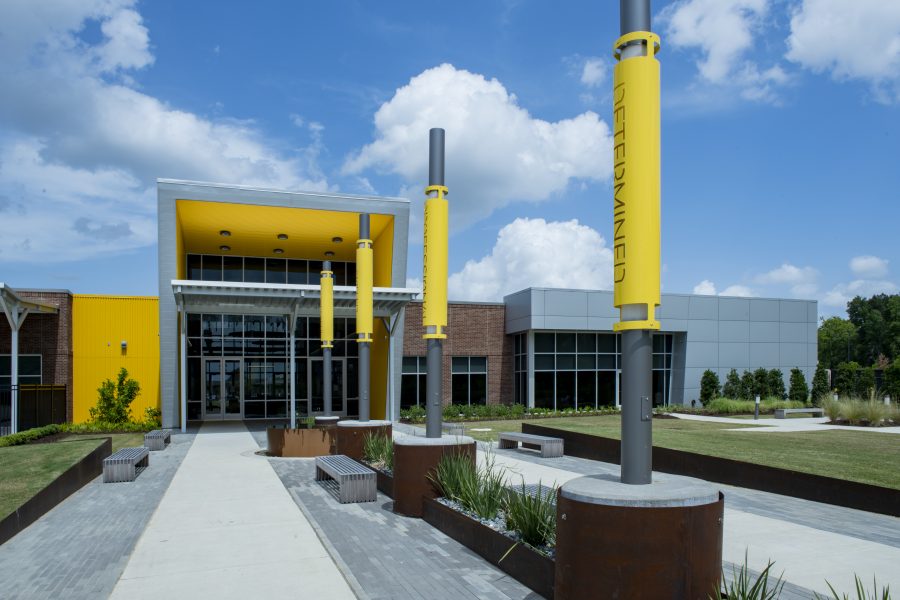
[254, 230]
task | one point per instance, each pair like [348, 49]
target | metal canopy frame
[291, 300]
[16, 310]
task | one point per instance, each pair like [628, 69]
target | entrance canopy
[281, 299]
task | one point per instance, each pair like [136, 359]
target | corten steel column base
[350, 436]
[660, 540]
[414, 458]
[321, 420]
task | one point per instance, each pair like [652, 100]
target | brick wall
[472, 330]
[47, 335]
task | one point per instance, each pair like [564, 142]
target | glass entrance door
[222, 397]
[317, 400]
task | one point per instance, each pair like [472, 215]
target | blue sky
[780, 140]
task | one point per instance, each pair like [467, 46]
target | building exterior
[557, 348]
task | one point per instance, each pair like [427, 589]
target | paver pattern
[80, 548]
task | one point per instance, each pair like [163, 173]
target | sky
[780, 134]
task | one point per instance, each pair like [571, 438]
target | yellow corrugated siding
[99, 325]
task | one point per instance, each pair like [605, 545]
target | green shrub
[413, 414]
[820, 389]
[378, 450]
[891, 384]
[29, 435]
[776, 385]
[748, 384]
[455, 471]
[845, 376]
[709, 387]
[104, 427]
[760, 384]
[798, 392]
[727, 406]
[533, 517]
[152, 417]
[114, 400]
[865, 382]
[732, 387]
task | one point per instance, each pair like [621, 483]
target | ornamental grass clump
[861, 592]
[742, 587]
[532, 516]
[454, 472]
[480, 490]
[378, 451]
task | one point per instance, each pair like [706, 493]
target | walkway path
[227, 528]
[785, 425]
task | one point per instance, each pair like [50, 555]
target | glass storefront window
[254, 270]
[276, 270]
[212, 268]
[233, 268]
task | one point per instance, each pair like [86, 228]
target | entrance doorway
[338, 389]
[222, 394]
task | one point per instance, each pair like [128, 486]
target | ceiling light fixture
[329, 254]
[337, 239]
[282, 236]
[224, 233]
[224, 248]
[278, 251]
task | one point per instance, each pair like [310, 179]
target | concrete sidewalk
[785, 425]
[227, 528]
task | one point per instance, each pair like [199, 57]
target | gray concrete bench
[123, 464]
[782, 413]
[453, 428]
[550, 447]
[157, 439]
[356, 482]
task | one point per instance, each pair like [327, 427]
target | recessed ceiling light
[224, 248]
[337, 239]
[329, 254]
[282, 236]
[278, 251]
[225, 233]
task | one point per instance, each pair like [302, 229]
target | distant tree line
[761, 382]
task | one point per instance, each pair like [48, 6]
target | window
[412, 381]
[520, 369]
[468, 379]
[662, 368]
[249, 269]
[29, 369]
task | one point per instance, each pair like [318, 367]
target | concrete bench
[453, 428]
[782, 413]
[157, 439]
[123, 464]
[356, 482]
[550, 447]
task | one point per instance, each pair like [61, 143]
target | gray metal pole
[326, 365]
[637, 357]
[435, 347]
[364, 347]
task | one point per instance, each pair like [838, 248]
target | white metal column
[292, 318]
[184, 373]
[530, 350]
[15, 319]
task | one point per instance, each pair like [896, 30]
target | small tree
[775, 385]
[799, 392]
[865, 382]
[747, 385]
[709, 387]
[892, 380]
[820, 389]
[732, 387]
[760, 383]
[845, 376]
[114, 399]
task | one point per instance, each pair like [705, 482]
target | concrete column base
[414, 458]
[350, 436]
[320, 420]
[660, 540]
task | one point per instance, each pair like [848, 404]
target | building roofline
[682, 294]
[163, 182]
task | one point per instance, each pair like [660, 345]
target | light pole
[326, 330]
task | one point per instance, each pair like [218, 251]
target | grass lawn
[867, 457]
[26, 470]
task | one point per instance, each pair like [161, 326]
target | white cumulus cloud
[82, 146]
[527, 254]
[738, 290]
[593, 73]
[851, 39]
[496, 152]
[869, 267]
[705, 288]
[801, 280]
[842, 293]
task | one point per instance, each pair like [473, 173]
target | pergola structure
[16, 309]
[290, 300]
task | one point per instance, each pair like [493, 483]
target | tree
[799, 392]
[891, 385]
[775, 385]
[732, 387]
[709, 387]
[114, 399]
[877, 323]
[865, 382]
[845, 376]
[747, 385]
[837, 342]
[760, 383]
[820, 389]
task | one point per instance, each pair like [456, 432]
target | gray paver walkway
[80, 548]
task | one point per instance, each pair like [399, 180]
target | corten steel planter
[414, 459]
[301, 442]
[616, 551]
[385, 483]
[818, 488]
[274, 440]
[526, 565]
[349, 436]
